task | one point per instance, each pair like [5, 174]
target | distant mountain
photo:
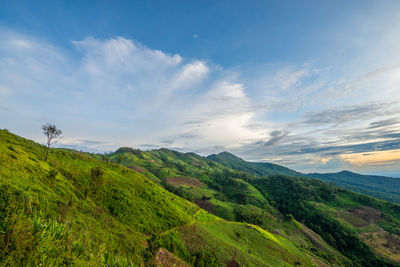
[382, 187]
[378, 186]
[340, 227]
[104, 210]
[256, 168]
[79, 209]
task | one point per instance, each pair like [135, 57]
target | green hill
[254, 168]
[382, 187]
[378, 186]
[340, 227]
[96, 210]
[76, 209]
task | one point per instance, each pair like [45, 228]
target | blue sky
[312, 85]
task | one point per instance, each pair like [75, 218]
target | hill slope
[379, 186]
[382, 187]
[335, 222]
[78, 210]
[255, 168]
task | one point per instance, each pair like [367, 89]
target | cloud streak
[117, 92]
[119, 89]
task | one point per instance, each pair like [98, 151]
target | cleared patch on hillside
[360, 217]
[136, 168]
[368, 214]
[183, 181]
[383, 243]
[165, 258]
[205, 204]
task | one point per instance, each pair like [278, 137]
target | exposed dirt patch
[232, 262]
[186, 181]
[360, 217]
[153, 161]
[136, 168]
[384, 243]
[368, 214]
[165, 258]
[205, 204]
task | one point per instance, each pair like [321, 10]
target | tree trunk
[47, 151]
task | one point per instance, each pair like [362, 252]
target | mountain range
[382, 187]
[167, 208]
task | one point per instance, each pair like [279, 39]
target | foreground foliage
[84, 210]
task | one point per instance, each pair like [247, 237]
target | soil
[383, 243]
[165, 258]
[360, 217]
[186, 181]
[136, 168]
[368, 214]
[232, 262]
[205, 204]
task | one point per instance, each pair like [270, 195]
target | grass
[84, 210]
[71, 218]
[264, 201]
[265, 248]
[89, 210]
[215, 243]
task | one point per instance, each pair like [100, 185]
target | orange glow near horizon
[373, 158]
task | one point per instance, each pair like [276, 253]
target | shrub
[52, 176]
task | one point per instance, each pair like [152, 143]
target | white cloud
[190, 75]
[119, 89]
[289, 77]
[123, 93]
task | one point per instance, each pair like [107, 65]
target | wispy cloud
[275, 137]
[118, 92]
[350, 113]
[118, 89]
[385, 123]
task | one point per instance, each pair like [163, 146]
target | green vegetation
[254, 168]
[85, 210]
[276, 203]
[76, 209]
[316, 204]
[377, 186]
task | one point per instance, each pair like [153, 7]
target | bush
[52, 176]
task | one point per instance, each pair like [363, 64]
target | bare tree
[52, 133]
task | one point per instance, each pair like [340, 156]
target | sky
[311, 85]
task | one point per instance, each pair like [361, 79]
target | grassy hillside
[254, 168]
[269, 202]
[83, 209]
[386, 188]
[378, 186]
[341, 217]
[75, 209]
